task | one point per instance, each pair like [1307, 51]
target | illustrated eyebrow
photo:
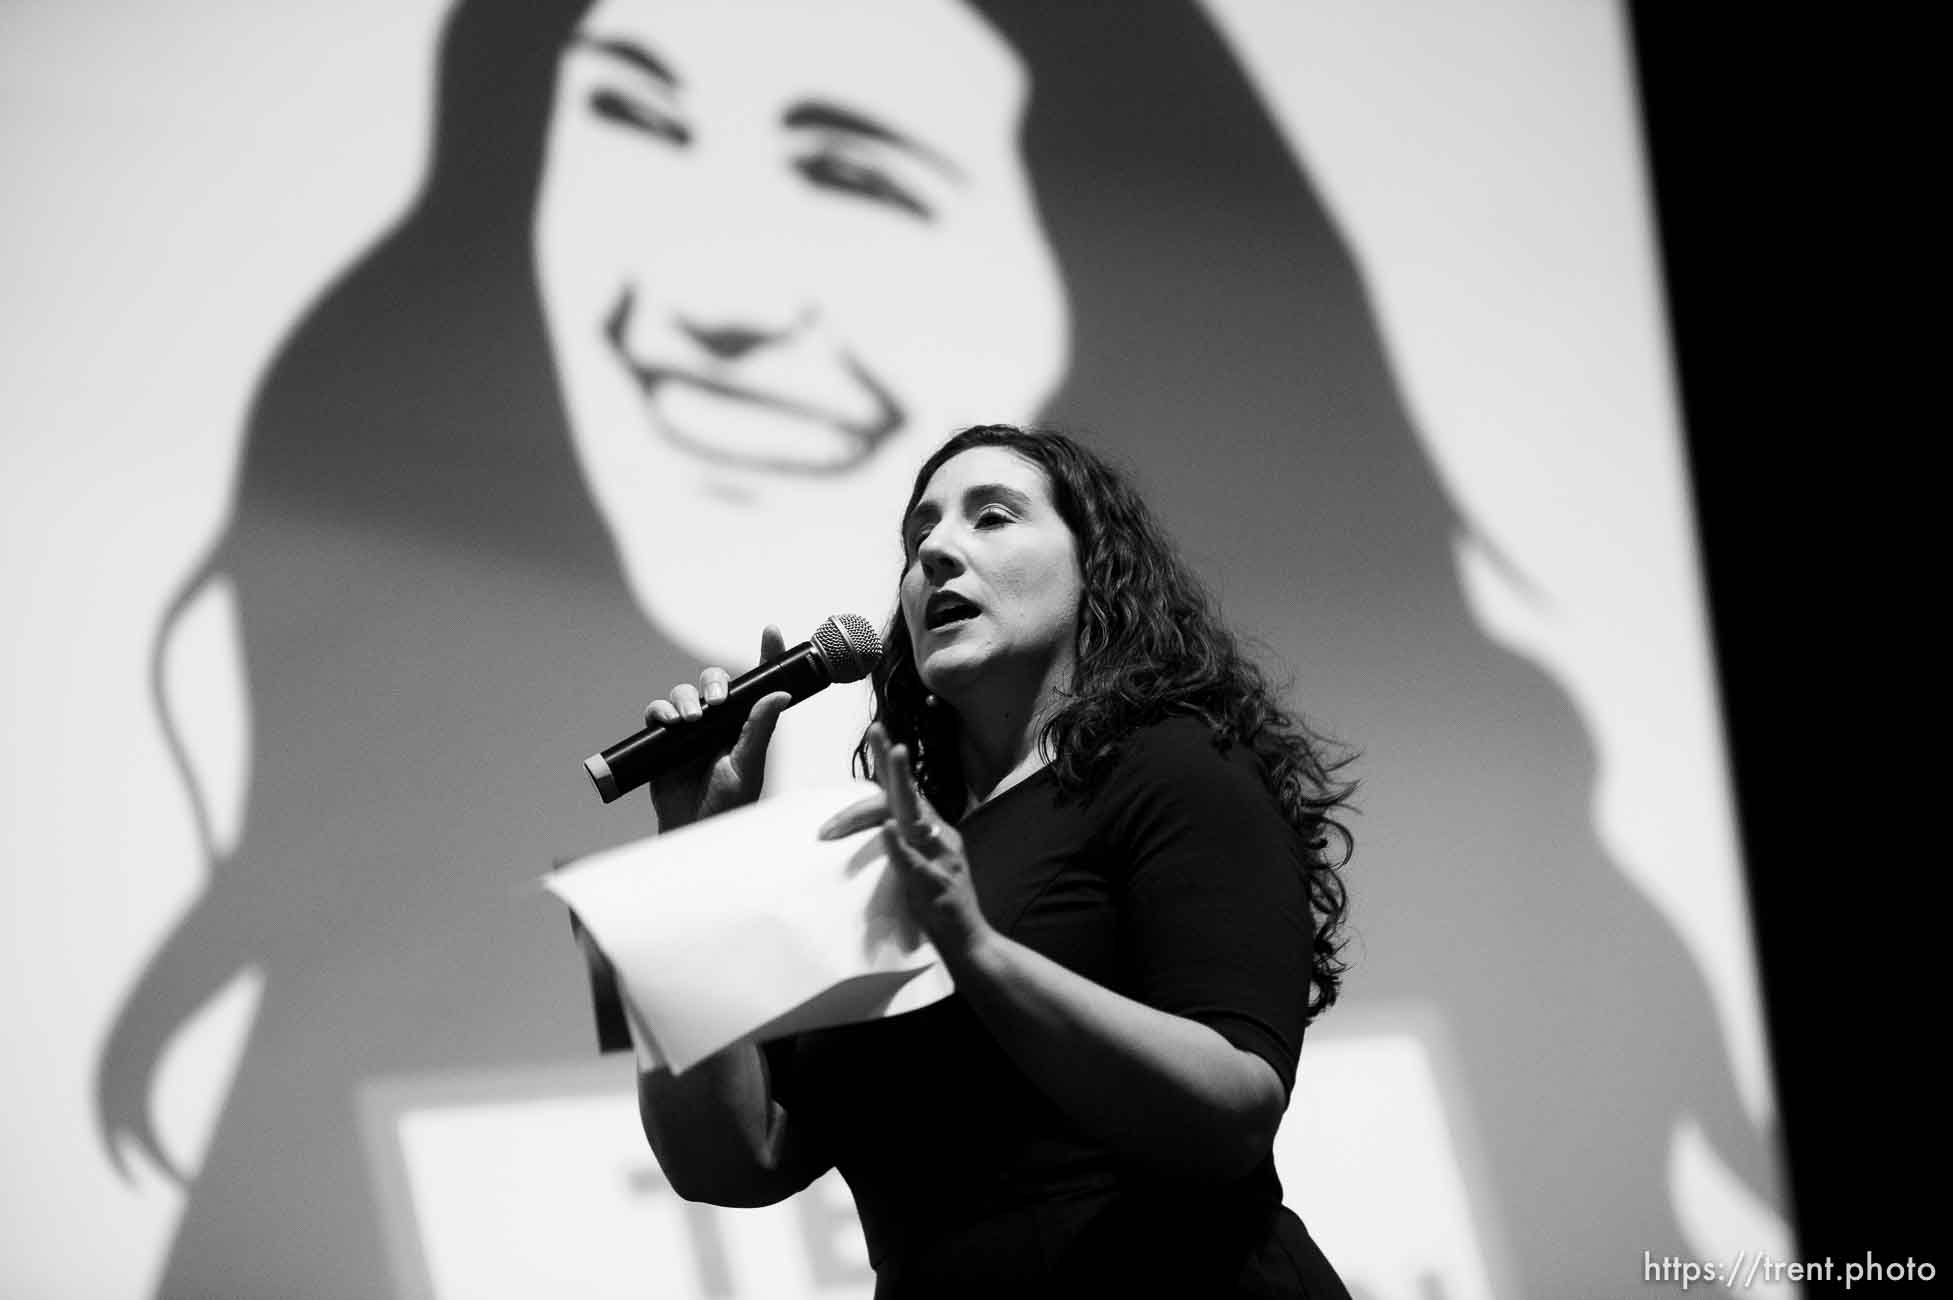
[926, 512]
[822, 116]
[629, 52]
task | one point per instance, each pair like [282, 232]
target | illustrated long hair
[1150, 644]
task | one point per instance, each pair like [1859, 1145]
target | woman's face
[992, 587]
[783, 249]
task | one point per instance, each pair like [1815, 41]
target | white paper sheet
[749, 926]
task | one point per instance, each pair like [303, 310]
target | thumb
[749, 751]
[772, 643]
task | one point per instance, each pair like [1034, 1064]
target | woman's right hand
[732, 777]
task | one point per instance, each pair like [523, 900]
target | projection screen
[355, 491]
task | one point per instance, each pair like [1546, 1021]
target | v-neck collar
[1001, 795]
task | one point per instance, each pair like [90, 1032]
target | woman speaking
[1125, 853]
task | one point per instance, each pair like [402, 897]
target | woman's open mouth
[946, 609]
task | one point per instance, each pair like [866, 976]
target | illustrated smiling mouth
[946, 607]
[749, 427]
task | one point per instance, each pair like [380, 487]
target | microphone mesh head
[848, 645]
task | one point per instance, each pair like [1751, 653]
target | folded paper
[749, 926]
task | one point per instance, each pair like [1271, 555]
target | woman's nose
[940, 558]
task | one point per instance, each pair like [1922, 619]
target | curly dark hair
[1151, 644]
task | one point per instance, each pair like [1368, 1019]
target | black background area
[1787, 167]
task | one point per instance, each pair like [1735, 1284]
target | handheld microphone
[844, 648]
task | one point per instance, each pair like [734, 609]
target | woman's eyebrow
[985, 492]
[822, 116]
[628, 51]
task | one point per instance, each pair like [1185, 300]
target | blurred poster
[414, 391]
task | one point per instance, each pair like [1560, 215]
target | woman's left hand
[927, 850]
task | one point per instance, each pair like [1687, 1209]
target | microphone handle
[633, 762]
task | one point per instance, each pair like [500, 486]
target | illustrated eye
[846, 175]
[616, 107]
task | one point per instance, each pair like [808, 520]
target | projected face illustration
[778, 263]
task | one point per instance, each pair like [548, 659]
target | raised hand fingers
[904, 804]
[858, 816]
[897, 780]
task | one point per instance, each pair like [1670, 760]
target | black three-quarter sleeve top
[1177, 883]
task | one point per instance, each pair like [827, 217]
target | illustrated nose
[730, 342]
[633, 330]
[738, 299]
[728, 276]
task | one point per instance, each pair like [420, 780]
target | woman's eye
[619, 108]
[992, 519]
[849, 176]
